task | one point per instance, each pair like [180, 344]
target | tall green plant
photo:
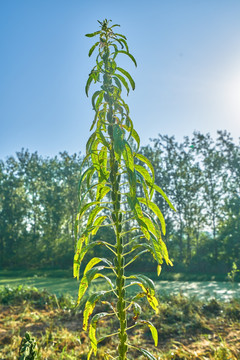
[114, 174]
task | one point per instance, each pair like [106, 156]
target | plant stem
[116, 216]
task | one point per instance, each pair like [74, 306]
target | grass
[61, 281]
[188, 327]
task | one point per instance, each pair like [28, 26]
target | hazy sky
[188, 74]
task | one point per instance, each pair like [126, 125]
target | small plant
[116, 190]
[232, 274]
[28, 348]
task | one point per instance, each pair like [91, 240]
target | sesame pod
[122, 349]
[120, 248]
[121, 272]
[119, 308]
[110, 130]
[118, 282]
[120, 218]
[112, 176]
[115, 167]
[110, 117]
[124, 337]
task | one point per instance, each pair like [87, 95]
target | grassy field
[188, 328]
[61, 282]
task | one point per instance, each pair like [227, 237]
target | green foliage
[28, 348]
[113, 179]
[181, 320]
[37, 298]
[37, 210]
[232, 274]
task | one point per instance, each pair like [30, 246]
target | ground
[187, 328]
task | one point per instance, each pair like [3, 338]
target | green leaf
[93, 214]
[136, 256]
[118, 83]
[122, 36]
[130, 55]
[107, 279]
[94, 152]
[92, 330]
[114, 26]
[93, 34]
[103, 162]
[98, 316]
[159, 269]
[118, 137]
[101, 192]
[98, 223]
[136, 138]
[147, 354]
[81, 251]
[89, 307]
[83, 176]
[96, 260]
[115, 50]
[85, 208]
[148, 287]
[89, 354]
[91, 263]
[94, 121]
[157, 250]
[94, 98]
[92, 337]
[93, 48]
[90, 143]
[165, 252]
[151, 205]
[123, 81]
[147, 162]
[124, 72]
[137, 310]
[128, 156]
[149, 226]
[145, 174]
[86, 280]
[160, 191]
[122, 40]
[152, 329]
[134, 204]
[76, 262]
[89, 80]
[99, 100]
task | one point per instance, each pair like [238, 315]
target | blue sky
[188, 74]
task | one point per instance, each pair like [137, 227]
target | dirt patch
[60, 331]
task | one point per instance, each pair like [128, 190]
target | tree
[13, 213]
[213, 178]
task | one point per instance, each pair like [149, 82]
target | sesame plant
[116, 190]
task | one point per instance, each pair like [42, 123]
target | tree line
[200, 175]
